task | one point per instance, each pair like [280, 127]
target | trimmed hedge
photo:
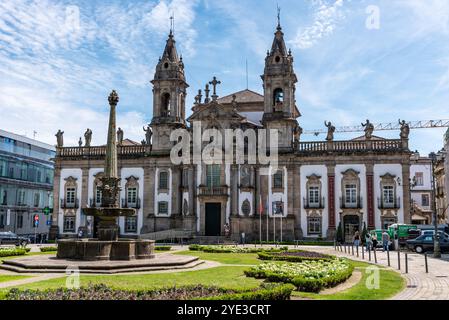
[294, 258]
[278, 292]
[197, 292]
[48, 249]
[233, 249]
[13, 252]
[300, 243]
[162, 248]
[302, 283]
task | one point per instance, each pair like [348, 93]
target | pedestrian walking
[385, 240]
[374, 241]
[356, 239]
[368, 241]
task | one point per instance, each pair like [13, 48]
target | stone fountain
[108, 246]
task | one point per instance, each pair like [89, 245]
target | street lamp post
[436, 249]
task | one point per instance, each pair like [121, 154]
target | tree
[339, 233]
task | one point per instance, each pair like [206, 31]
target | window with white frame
[388, 195]
[277, 180]
[213, 175]
[162, 207]
[69, 223]
[132, 195]
[37, 199]
[314, 196]
[163, 180]
[70, 196]
[350, 194]
[313, 225]
[131, 224]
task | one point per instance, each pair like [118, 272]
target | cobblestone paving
[433, 285]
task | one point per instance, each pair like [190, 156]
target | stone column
[234, 190]
[297, 201]
[148, 199]
[370, 195]
[54, 228]
[331, 232]
[406, 191]
[84, 201]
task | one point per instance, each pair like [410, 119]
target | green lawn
[390, 284]
[229, 277]
[7, 277]
[225, 258]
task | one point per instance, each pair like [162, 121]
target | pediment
[214, 111]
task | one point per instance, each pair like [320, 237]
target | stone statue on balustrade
[60, 138]
[148, 135]
[297, 132]
[369, 129]
[120, 136]
[405, 129]
[88, 137]
[330, 131]
[80, 142]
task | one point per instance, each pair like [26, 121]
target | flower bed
[309, 276]
[233, 249]
[294, 256]
[103, 292]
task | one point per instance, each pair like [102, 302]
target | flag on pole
[260, 218]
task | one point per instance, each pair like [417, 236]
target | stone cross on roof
[214, 83]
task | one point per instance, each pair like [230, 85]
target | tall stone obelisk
[111, 148]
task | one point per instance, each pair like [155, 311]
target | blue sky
[60, 59]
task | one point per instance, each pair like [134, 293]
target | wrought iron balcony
[395, 204]
[133, 205]
[94, 204]
[313, 205]
[346, 203]
[213, 191]
[69, 204]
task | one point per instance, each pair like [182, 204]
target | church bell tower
[279, 79]
[169, 96]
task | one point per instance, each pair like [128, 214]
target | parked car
[12, 238]
[425, 243]
[432, 232]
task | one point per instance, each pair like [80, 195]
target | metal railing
[382, 204]
[69, 204]
[213, 191]
[345, 204]
[128, 204]
[313, 205]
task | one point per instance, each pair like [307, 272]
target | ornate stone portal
[108, 246]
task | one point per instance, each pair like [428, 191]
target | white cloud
[326, 18]
[58, 59]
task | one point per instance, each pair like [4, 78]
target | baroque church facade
[317, 185]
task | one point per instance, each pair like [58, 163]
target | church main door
[213, 219]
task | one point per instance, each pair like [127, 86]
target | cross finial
[214, 83]
[279, 16]
[172, 24]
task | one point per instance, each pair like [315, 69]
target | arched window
[278, 96]
[165, 104]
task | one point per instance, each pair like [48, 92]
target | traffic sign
[36, 223]
[36, 217]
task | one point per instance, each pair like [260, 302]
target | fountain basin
[94, 249]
